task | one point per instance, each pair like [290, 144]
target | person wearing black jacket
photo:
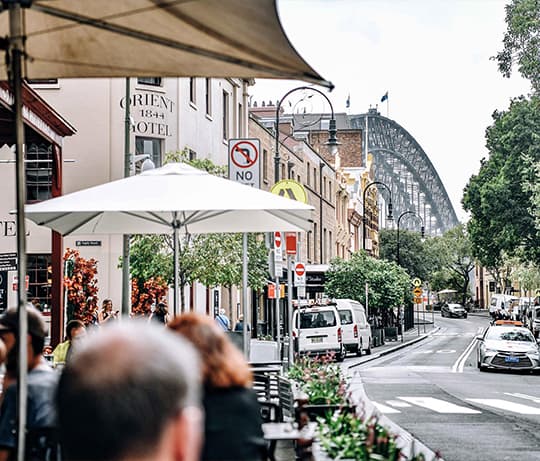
[233, 424]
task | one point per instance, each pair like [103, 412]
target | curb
[395, 348]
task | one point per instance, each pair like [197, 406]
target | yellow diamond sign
[291, 189]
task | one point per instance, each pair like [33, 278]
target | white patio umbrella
[133, 38]
[172, 199]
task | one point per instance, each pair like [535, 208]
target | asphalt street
[434, 390]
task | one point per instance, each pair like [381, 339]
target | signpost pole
[289, 308]
[245, 307]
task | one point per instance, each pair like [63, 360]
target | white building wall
[95, 107]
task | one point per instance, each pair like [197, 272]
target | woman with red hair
[233, 428]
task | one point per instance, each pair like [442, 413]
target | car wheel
[443, 314]
[465, 316]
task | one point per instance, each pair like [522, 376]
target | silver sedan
[508, 347]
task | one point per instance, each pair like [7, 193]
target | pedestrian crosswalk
[402, 404]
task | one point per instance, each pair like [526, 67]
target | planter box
[315, 411]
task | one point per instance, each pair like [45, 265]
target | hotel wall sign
[150, 112]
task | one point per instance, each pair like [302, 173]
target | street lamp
[422, 229]
[389, 217]
[332, 144]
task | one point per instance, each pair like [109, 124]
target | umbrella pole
[176, 254]
[16, 51]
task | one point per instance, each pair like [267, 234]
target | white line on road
[524, 396]
[398, 404]
[460, 362]
[439, 406]
[384, 409]
[507, 405]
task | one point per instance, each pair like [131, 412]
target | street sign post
[244, 161]
[299, 274]
[290, 243]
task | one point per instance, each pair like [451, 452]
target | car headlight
[489, 351]
[533, 351]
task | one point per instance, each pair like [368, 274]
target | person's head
[222, 312]
[162, 307]
[241, 318]
[223, 365]
[75, 329]
[9, 329]
[107, 305]
[132, 390]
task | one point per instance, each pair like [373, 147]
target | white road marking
[384, 409]
[446, 351]
[507, 405]
[460, 362]
[524, 396]
[439, 406]
[398, 404]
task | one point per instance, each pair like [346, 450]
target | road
[434, 390]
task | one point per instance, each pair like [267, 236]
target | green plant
[343, 435]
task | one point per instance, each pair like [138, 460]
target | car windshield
[346, 317]
[509, 334]
[319, 319]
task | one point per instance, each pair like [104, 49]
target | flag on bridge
[385, 97]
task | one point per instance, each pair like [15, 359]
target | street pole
[290, 309]
[245, 307]
[16, 34]
[126, 288]
[278, 333]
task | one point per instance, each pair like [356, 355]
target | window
[282, 171]
[39, 279]
[324, 247]
[192, 155]
[39, 172]
[152, 81]
[225, 115]
[330, 245]
[192, 90]
[308, 174]
[309, 246]
[324, 187]
[315, 241]
[208, 96]
[314, 178]
[265, 164]
[151, 147]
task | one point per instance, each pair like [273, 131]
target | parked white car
[356, 329]
[319, 331]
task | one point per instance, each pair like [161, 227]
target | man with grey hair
[131, 391]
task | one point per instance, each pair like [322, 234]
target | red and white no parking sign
[299, 274]
[244, 161]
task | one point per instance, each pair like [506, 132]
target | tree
[388, 284]
[500, 198]
[414, 255]
[81, 285]
[522, 41]
[457, 261]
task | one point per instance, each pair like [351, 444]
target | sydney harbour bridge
[401, 164]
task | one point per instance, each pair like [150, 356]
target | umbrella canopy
[175, 195]
[121, 38]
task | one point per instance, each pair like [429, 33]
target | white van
[503, 303]
[320, 331]
[356, 329]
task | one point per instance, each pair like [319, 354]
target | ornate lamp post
[422, 230]
[332, 142]
[389, 217]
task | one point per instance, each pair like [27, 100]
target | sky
[433, 58]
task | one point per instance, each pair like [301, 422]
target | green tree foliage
[522, 41]
[415, 256]
[456, 261]
[388, 284]
[500, 198]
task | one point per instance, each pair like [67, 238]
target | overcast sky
[432, 56]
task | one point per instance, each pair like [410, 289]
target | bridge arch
[401, 163]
